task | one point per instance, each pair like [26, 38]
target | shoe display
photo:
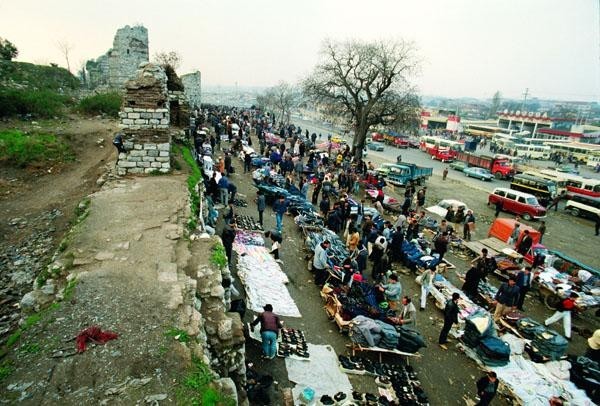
[294, 343]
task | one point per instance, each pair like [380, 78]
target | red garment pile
[95, 335]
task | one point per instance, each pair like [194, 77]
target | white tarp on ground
[322, 373]
[264, 281]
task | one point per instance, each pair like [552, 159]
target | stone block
[121, 171]
[143, 164]
[122, 155]
[138, 152]
[162, 126]
[156, 165]
[128, 109]
[149, 170]
[148, 159]
[128, 145]
[164, 153]
[149, 146]
[122, 114]
[154, 121]
[164, 146]
[134, 158]
[141, 121]
[127, 121]
[136, 170]
[126, 164]
[138, 146]
[157, 115]
[163, 159]
[146, 115]
[167, 272]
[224, 329]
[133, 115]
[152, 152]
[164, 121]
[165, 165]
[162, 111]
[164, 170]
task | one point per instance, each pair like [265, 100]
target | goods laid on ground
[293, 344]
[247, 223]
[395, 381]
[262, 277]
[545, 344]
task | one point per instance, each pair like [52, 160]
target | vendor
[583, 277]
[408, 316]
[392, 291]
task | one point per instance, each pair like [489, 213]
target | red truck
[443, 154]
[500, 167]
[377, 137]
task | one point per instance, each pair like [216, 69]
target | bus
[583, 186]
[541, 188]
[533, 151]
[430, 142]
[557, 177]
[578, 150]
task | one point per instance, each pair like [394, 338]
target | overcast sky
[467, 47]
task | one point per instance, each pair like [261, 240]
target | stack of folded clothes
[493, 351]
[550, 344]
[478, 326]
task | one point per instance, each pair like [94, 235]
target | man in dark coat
[525, 244]
[487, 387]
[228, 236]
[450, 317]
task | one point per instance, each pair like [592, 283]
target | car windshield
[532, 200]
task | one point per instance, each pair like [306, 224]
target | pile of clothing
[478, 326]
[585, 373]
[368, 332]
[545, 344]
[337, 249]
[409, 340]
[493, 351]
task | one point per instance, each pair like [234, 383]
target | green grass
[103, 103]
[32, 348]
[6, 369]
[37, 103]
[39, 77]
[195, 388]
[20, 149]
[178, 334]
[218, 256]
[32, 320]
[70, 289]
[14, 338]
[192, 181]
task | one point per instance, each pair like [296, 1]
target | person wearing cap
[450, 317]
[269, 330]
[563, 311]
[593, 352]
[487, 388]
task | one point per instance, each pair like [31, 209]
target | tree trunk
[360, 136]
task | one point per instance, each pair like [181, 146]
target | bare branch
[65, 49]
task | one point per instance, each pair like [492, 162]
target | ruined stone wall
[119, 64]
[193, 88]
[144, 121]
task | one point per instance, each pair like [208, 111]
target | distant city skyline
[467, 48]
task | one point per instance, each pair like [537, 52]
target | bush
[37, 103]
[104, 103]
[21, 149]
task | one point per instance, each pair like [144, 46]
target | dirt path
[129, 282]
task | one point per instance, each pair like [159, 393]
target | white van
[579, 205]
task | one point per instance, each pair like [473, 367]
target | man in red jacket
[565, 307]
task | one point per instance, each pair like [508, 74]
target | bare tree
[281, 99]
[496, 101]
[368, 83]
[65, 49]
[171, 58]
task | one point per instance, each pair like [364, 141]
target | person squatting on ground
[487, 387]
[269, 330]
[276, 241]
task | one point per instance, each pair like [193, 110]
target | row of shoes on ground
[247, 223]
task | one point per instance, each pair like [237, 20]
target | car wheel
[498, 175]
[574, 212]
[527, 216]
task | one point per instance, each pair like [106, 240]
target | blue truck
[401, 174]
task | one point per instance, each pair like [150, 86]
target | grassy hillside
[37, 77]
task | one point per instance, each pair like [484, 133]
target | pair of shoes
[444, 346]
[422, 308]
[448, 340]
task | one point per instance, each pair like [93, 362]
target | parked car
[413, 143]
[375, 146]
[442, 207]
[459, 165]
[478, 173]
[513, 201]
[567, 169]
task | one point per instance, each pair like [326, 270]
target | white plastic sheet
[322, 373]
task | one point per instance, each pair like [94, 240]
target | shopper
[524, 279]
[320, 262]
[228, 236]
[269, 330]
[565, 307]
[426, 285]
[487, 387]
[469, 225]
[280, 207]
[514, 235]
[450, 317]
[261, 204]
[542, 230]
[506, 298]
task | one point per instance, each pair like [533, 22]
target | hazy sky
[467, 47]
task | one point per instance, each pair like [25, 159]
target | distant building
[192, 83]
[119, 64]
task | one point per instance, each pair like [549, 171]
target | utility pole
[525, 94]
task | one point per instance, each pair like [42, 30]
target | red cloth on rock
[94, 334]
